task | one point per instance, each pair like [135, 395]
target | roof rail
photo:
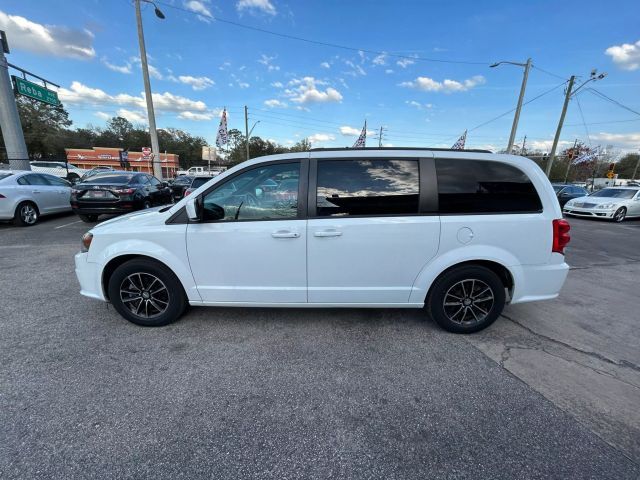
[347, 149]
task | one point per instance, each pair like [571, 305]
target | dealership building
[89, 158]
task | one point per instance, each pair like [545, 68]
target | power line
[583, 122]
[611, 100]
[325, 44]
[603, 123]
[548, 73]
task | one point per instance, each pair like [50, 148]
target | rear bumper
[103, 208]
[539, 282]
[89, 277]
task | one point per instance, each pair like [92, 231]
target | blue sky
[202, 63]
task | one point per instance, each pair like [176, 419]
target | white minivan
[461, 233]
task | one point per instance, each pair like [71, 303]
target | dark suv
[566, 192]
[117, 192]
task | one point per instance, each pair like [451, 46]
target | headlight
[569, 203]
[87, 238]
[606, 206]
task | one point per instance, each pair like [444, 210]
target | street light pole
[155, 145]
[523, 87]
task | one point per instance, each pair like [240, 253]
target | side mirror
[163, 185]
[194, 209]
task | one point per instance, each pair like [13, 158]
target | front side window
[267, 192]
[154, 181]
[367, 187]
[478, 186]
[55, 181]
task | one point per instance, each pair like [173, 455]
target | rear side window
[477, 186]
[367, 187]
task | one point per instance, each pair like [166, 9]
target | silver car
[614, 203]
[25, 196]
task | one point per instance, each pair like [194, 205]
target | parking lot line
[66, 224]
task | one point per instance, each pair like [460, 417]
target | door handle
[327, 233]
[285, 234]
[35, 191]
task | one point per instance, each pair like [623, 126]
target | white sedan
[615, 203]
[25, 196]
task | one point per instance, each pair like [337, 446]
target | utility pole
[524, 143]
[567, 97]
[380, 138]
[9, 119]
[155, 145]
[246, 129]
[571, 157]
[523, 87]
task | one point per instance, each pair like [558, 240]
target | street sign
[610, 174]
[146, 152]
[35, 91]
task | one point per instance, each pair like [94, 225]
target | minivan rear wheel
[466, 299]
[146, 293]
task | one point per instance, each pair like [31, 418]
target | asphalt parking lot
[551, 390]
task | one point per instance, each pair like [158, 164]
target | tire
[88, 218]
[26, 215]
[620, 215]
[478, 291]
[146, 204]
[161, 297]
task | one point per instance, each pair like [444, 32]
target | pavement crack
[596, 355]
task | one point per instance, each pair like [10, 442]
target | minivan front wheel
[466, 299]
[146, 293]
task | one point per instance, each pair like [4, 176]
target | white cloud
[626, 56]
[56, 40]
[355, 69]
[380, 59]
[628, 141]
[196, 116]
[325, 65]
[405, 62]
[277, 84]
[243, 85]
[133, 116]
[264, 6]
[388, 70]
[102, 115]
[348, 131]
[267, 62]
[80, 94]
[154, 72]
[306, 91]
[447, 86]
[275, 103]
[126, 68]
[545, 145]
[320, 137]
[418, 105]
[201, 8]
[197, 83]
[224, 66]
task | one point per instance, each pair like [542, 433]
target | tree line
[47, 131]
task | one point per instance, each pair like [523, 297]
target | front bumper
[589, 212]
[89, 277]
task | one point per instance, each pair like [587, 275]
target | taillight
[187, 192]
[124, 191]
[561, 235]
[87, 238]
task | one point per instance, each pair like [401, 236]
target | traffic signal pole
[9, 119]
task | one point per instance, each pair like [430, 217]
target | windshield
[615, 193]
[557, 188]
[183, 180]
[5, 175]
[109, 178]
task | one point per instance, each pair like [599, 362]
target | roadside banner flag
[591, 154]
[459, 145]
[361, 142]
[223, 135]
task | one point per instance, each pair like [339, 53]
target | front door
[367, 240]
[251, 245]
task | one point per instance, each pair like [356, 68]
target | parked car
[460, 232]
[117, 192]
[95, 171]
[58, 169]
[195, 183]
[199, 171]
[566, 192]
[26, 196]
[614, 203]
[179, 184]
